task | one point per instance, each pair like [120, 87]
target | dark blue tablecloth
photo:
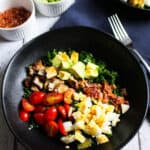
[94, 13]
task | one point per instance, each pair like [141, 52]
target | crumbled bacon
[93, 90]
[103, 93]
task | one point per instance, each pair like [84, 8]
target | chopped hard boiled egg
[102, 138]
[68, 139]
[68, 126]
[79, 125]
[94, 119]
[79, 136]
[124, 108]
[86, 144]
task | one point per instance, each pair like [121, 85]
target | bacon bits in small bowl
[17, 19]
[53, 8]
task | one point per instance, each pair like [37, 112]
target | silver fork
[121, 35]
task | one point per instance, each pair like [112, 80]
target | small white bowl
[21, 31]
[52, 9]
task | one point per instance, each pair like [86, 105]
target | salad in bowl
[72, 97]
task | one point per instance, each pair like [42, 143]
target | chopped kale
[86, 57]
[106, 75]
[27, 92]
[110, 76]
[74, 105]
[47, 60]
[101, 65]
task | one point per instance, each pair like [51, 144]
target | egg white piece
[68, 139]
[68, 126]
[124, 108]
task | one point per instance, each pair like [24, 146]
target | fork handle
[142, 60]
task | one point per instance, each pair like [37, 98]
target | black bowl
[104, 47]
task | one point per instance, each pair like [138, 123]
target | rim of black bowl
[65, 28]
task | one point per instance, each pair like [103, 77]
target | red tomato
[53, 98]
[61, 127]
[50, 114]
[36, 97]
[69, 110]
[51, 128]
[62, 112]
[67, 107]
[39, 118]
[27, 106]
[40, 109]
[24, 116]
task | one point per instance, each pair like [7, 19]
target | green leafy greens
[104, 73]
[84, 56]
[27, 92]
[47, 60]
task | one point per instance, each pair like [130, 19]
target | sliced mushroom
[46, 84]
[37, 82]
[57, 81]
[39, 65]
[41, 72]
[34, 88]
[73, 82]
[31, 71]
[50, 86]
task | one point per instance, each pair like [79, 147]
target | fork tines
[118, 29]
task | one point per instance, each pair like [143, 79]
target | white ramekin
[24, 30]
[53, 9]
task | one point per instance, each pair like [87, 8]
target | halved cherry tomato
[62, 112]
[67, 107]
[50, 114]
[24, 116]
[61, 127]
[53, 98]
[39, 118]
[36, 97]
[26, 105]
[69, 111]
[51, 128]
[40, 109]
[68, 96]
